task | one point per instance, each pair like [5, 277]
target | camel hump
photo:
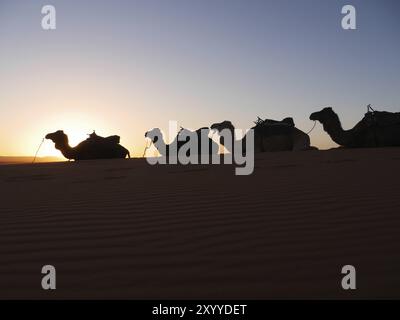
[289, 121]
[93, 137]
[113, 139]
[270, 122]
[189, 132]
[198, 131]
[382, 118]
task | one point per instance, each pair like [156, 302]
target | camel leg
[300, 146]
[301, 142]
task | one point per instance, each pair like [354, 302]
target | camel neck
[230, 144]
[65, 149]
[161, 146]
[334, 128]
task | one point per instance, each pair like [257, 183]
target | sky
[126, 66]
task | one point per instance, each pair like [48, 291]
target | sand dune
[125, 229]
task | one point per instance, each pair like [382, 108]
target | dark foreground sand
[26, 160]
[125, 229]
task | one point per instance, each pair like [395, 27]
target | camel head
[154, 135]
[324, 115]
[58, 137]
[222, 125]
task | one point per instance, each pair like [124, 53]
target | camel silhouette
[95, 147]
[376, 129]
[156, 136]
[269, 135]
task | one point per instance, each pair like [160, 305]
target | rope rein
[34, 159]
[146, 148]
[315, 123]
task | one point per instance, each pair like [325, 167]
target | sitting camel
[94, 147]
[269, 136]
[156, 137]
[376, 129]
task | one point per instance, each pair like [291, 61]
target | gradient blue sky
[123, 67]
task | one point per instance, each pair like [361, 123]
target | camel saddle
[270, 127]
[381, 118]
[93, 137]
[270, 122]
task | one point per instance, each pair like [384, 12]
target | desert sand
[125, 229]
[18, 160]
